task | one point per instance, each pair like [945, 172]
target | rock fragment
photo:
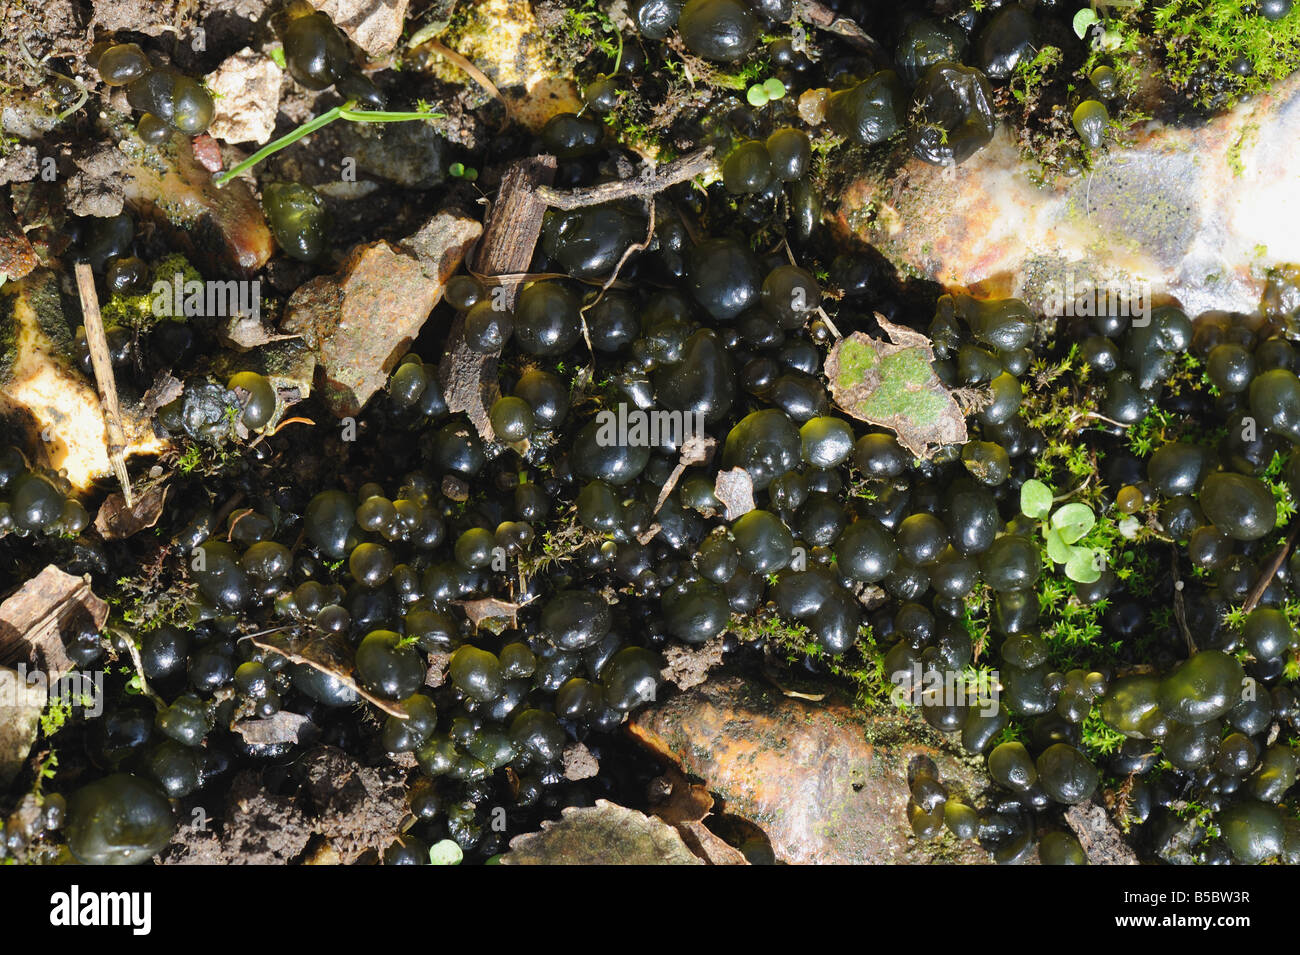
[604, 834]
[825, 783]
[373, 25]
[363, 319]
[96, 186]
[246, 87]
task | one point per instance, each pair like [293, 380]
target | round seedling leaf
[774, 88]
[1035, 499]
[1073, 521]
[1083, 20]
[757, 96]
[445, 852]
[1057, 549]
[1083, 565]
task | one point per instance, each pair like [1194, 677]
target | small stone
[579, 763]
[246, 88]
[373, 25]
[363, 319]
[97, 187]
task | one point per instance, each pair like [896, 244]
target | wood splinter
[102, 366]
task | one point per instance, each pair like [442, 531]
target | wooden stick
[648, 183]
[107, 384]
[469, 379]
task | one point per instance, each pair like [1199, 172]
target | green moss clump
[1219, 33]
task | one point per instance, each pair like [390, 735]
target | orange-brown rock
[363, 319]
[825, 783]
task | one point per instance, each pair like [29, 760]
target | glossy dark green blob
[826, 441]
[696, 611]
[655, 19]
[598, 453]
[631, 678]
[476, 673]
[588, 243]
[1239, 505]
[539, 733]
[298, 219]
[724, 277]
[407, 385]
[1008, 40]
[1090, 119]
[1254, 831]
[747, 170]
[986, 461]
[865, 551]
[1011, 563]
[192, 106]
[570, 136]
[1275, 402]
[328, 521]
[259, 400]
[1010, 765]
[1066, 774]
[118, 820]
[315, 51]
[1276, 774]
[981, 727]
[1061, 848]
[957, 104]
[512, 419]
[546, 394]
[1201, 688]
[720, 30]
[1177, 468]
[387, 667]
[488, 328]
[35, 504]
[763, 540]
[575, 619]
[1267, 633]
[122, 63]
[546, 319]
[871, 111]
[765, 444]
[220, 577]
[925, 42]
[703, 382]
[1230, 367]
[790, 151]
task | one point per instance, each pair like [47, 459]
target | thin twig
[650, 182]
[1180, 608]
[825, 19]
[102, 365]
[1270, 571]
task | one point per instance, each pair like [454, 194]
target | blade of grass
[345, 111]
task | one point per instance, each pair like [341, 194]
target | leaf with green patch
[892, 384]
[1035, 499]
[1073, 521]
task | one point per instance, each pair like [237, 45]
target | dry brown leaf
[490, 608]
[328, 656]
[116, 521]
[892, 384]
[282, 727]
